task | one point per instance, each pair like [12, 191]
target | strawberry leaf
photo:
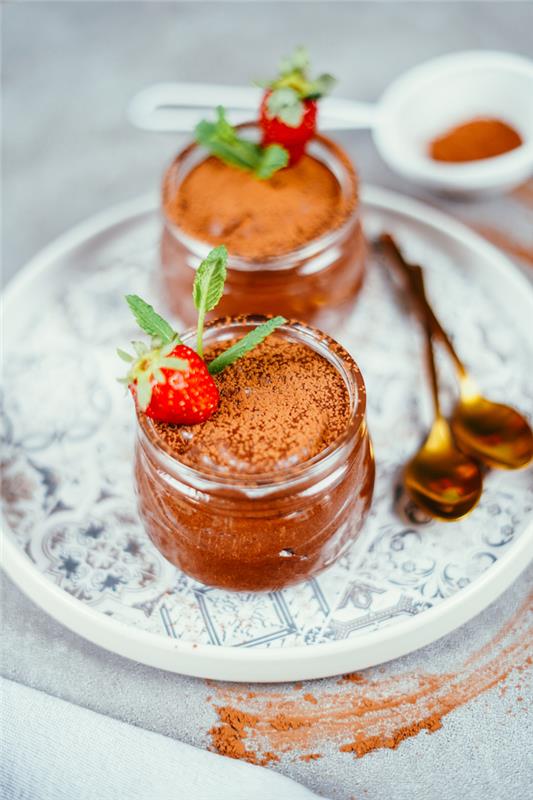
[244, 345]
[180, 364]
[222, 140]
[208, 287]
[320, 86]
[285, 104]
[298, 61]
[124, 356]
[149, 321]
[294, 74]
[144, 394]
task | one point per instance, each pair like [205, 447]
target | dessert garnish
[289, 107]
[170, 381]
[223, 141]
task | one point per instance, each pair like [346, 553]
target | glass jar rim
[342, 168]
[319, 464]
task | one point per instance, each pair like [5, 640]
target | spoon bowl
[492, 432]
[442, 480]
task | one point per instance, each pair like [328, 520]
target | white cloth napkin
[54, 750]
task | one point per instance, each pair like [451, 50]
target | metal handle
[413, 281]
[417, 282]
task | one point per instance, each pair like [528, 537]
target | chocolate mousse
[278, 481]
[257, 219]
[281, 197]
[295, 241]
[281, 405]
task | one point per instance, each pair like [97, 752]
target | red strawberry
[173, 385]
[276, 131]
[288, 113]
[169, 381]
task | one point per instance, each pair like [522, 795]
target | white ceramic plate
[72, 538]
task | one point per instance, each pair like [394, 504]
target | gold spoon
[441, 479]
[492, 432]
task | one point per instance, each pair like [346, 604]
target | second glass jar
[317, 282]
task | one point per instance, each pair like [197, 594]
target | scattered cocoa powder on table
[364, 715]
[505, 242]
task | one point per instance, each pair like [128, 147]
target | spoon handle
[178, 107]
[415, 286]
[417, 281]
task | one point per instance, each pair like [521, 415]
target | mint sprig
[208, 288]
[150, 322]
[244, 345]
[145, 368]
[222, 140]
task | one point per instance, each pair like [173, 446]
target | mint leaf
[149, 321]
[273, 157]
[208, 287]
[285, 104]
[222, 140]
[244, 345]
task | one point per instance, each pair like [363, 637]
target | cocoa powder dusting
[280, 405]
[352, 677]
[363, 714]
[255, 218]
[228, 737]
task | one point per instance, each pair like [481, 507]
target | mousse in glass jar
[295, 240]
[273, 487]
[281, 197]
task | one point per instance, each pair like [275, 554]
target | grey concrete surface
[69, 69]
[68, 152]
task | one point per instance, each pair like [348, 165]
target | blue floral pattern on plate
[68, 431]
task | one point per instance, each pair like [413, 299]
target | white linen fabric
[54, 750]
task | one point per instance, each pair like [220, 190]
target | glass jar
[260, 532]
[316, 282]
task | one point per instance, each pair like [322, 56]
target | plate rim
[297, 662]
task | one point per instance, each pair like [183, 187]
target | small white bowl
[439, 94]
